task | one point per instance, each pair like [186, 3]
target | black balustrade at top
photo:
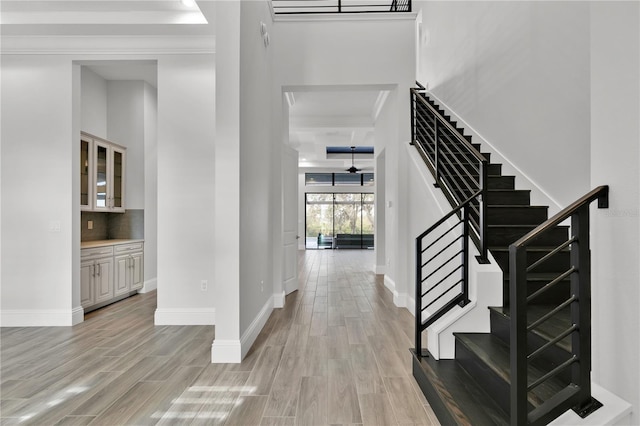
[290, 7]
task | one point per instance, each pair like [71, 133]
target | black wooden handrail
[448, 155]
[576, 394]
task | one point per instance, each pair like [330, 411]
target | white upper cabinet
[104, 174]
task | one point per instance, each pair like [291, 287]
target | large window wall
[339, 220]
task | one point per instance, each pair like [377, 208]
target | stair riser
[493, 182]
[553, 357]
[558, 262]
[511, 198]
[524, 215]
[554, 296]
[501, 237]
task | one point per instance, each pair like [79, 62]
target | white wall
[150, 187]
[93, 103]
[256, 171]
[615, 161]
[37, 222]
[517, 73]
[186, 135]
[126, 127]
[226, 346]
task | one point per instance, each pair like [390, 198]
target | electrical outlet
[203, 285]
[90, 224]
[262, 286]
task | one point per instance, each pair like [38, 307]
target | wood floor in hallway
[337, 353]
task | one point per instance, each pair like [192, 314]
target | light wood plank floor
[338, 353]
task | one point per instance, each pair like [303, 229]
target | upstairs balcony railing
[291, 7]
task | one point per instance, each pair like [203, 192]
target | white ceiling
[317, 118]
[106, 17]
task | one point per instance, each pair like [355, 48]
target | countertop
[102, 243]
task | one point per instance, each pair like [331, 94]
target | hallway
[338, 353]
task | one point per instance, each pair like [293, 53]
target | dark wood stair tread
[454, 396]
[495, 354]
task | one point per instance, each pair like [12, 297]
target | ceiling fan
[353, 168]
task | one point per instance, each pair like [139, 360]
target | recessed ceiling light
[188, 3]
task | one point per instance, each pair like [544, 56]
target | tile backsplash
[129, 224]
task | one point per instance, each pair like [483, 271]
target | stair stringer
[474, 317]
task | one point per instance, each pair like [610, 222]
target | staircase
[476, 387]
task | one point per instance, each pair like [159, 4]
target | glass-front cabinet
[107, 175]
[86, 154]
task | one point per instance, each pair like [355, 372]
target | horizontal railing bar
[441, 251]
[451, 213]
[551, 284]
[552, 253]
[443, 294]
[552, 373]
[601, 193]
[551, 313]
[442, 266]
[552, 342]
[452, 228]
[443, 310]
[445, 123]
[454, 182]
[439, 282]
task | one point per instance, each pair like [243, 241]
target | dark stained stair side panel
[454, 396]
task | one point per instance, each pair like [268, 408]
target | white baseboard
[41, 317]
[226, 352]
[390, 285]
[77, 315]
[170, 316]
[149, 285]
[251, 334]
[278, 300]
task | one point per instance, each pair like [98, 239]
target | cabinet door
[86, 173]
[137, 271]
[101, 176]
[104, 279]
[122, 273]
[117, 179]
[87, 269]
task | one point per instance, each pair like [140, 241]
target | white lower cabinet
[110, 272]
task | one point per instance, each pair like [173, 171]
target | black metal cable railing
[459, 169]
[576, 393]
[442, 268]
[290, 7]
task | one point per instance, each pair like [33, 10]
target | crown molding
[107, 45]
